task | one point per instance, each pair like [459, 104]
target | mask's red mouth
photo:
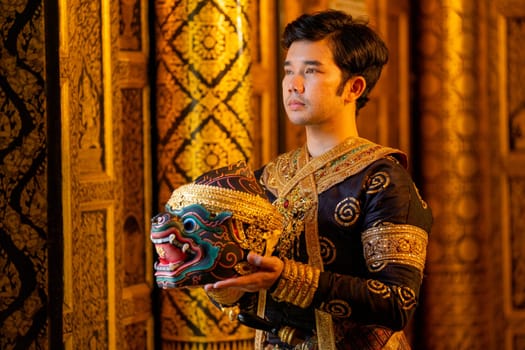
[175, 252]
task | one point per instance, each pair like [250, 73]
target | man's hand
[268, 271]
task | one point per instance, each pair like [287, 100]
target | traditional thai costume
[354, 244]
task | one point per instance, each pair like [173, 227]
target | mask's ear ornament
[210, 226]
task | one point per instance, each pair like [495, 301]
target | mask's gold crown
[263, 219]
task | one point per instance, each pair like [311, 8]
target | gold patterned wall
[505, 37]
[80, 153]
[103, 52]
[454, 313]
[204, 121]
[471, 98]
[23, 177]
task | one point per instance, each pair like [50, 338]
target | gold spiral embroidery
[377, 182]
[328, 250]
[406, 297]
[337, 308]
[347, 211]
[378, 287]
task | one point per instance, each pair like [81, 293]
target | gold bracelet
[286, 334]
[307, 281]
[310, 292]
[297, 284]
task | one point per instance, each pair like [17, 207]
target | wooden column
[455, 288]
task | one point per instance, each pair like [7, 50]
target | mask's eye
[190, 225]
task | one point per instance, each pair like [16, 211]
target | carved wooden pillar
[455, 288]
[204, 122]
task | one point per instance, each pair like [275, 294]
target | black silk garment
[356, 214]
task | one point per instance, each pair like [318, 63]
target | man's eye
[190, 225]
[310, 70]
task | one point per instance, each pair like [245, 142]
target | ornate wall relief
[23, 177]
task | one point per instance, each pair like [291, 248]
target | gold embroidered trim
[350, 164]
[399, 244]
[297, 284]
[344, 160]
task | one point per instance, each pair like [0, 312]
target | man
[349, 264]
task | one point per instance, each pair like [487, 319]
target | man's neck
[319, 143]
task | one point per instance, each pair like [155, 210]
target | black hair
[357, 49]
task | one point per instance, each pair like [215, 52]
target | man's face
[310, 83]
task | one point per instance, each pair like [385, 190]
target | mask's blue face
[196, 247]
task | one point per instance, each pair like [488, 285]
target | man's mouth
[294, 104]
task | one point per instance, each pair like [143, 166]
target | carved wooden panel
[106, 181]
[387, 117]
[24, 251]
[508, 115]
[263, 45]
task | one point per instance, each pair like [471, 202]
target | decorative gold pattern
[406, 297]
[286, 334]
[204, 121]
[456, 171]
[337, 308]
[204, 88]
[380, 288]
[89, 318]
[342, 161]
[377, 182]
[246, 207]
[328, 250]
[347, 212]
[198, 320]
[297, 284]
[28, 233]
[394, 244]
[293, 209]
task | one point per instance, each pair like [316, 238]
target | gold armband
[297, 284]
[396, 244]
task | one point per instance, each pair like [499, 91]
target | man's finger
[255, 259]
[231, 282]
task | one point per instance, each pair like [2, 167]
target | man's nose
[296, 84]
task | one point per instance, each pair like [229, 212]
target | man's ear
[354, 88]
